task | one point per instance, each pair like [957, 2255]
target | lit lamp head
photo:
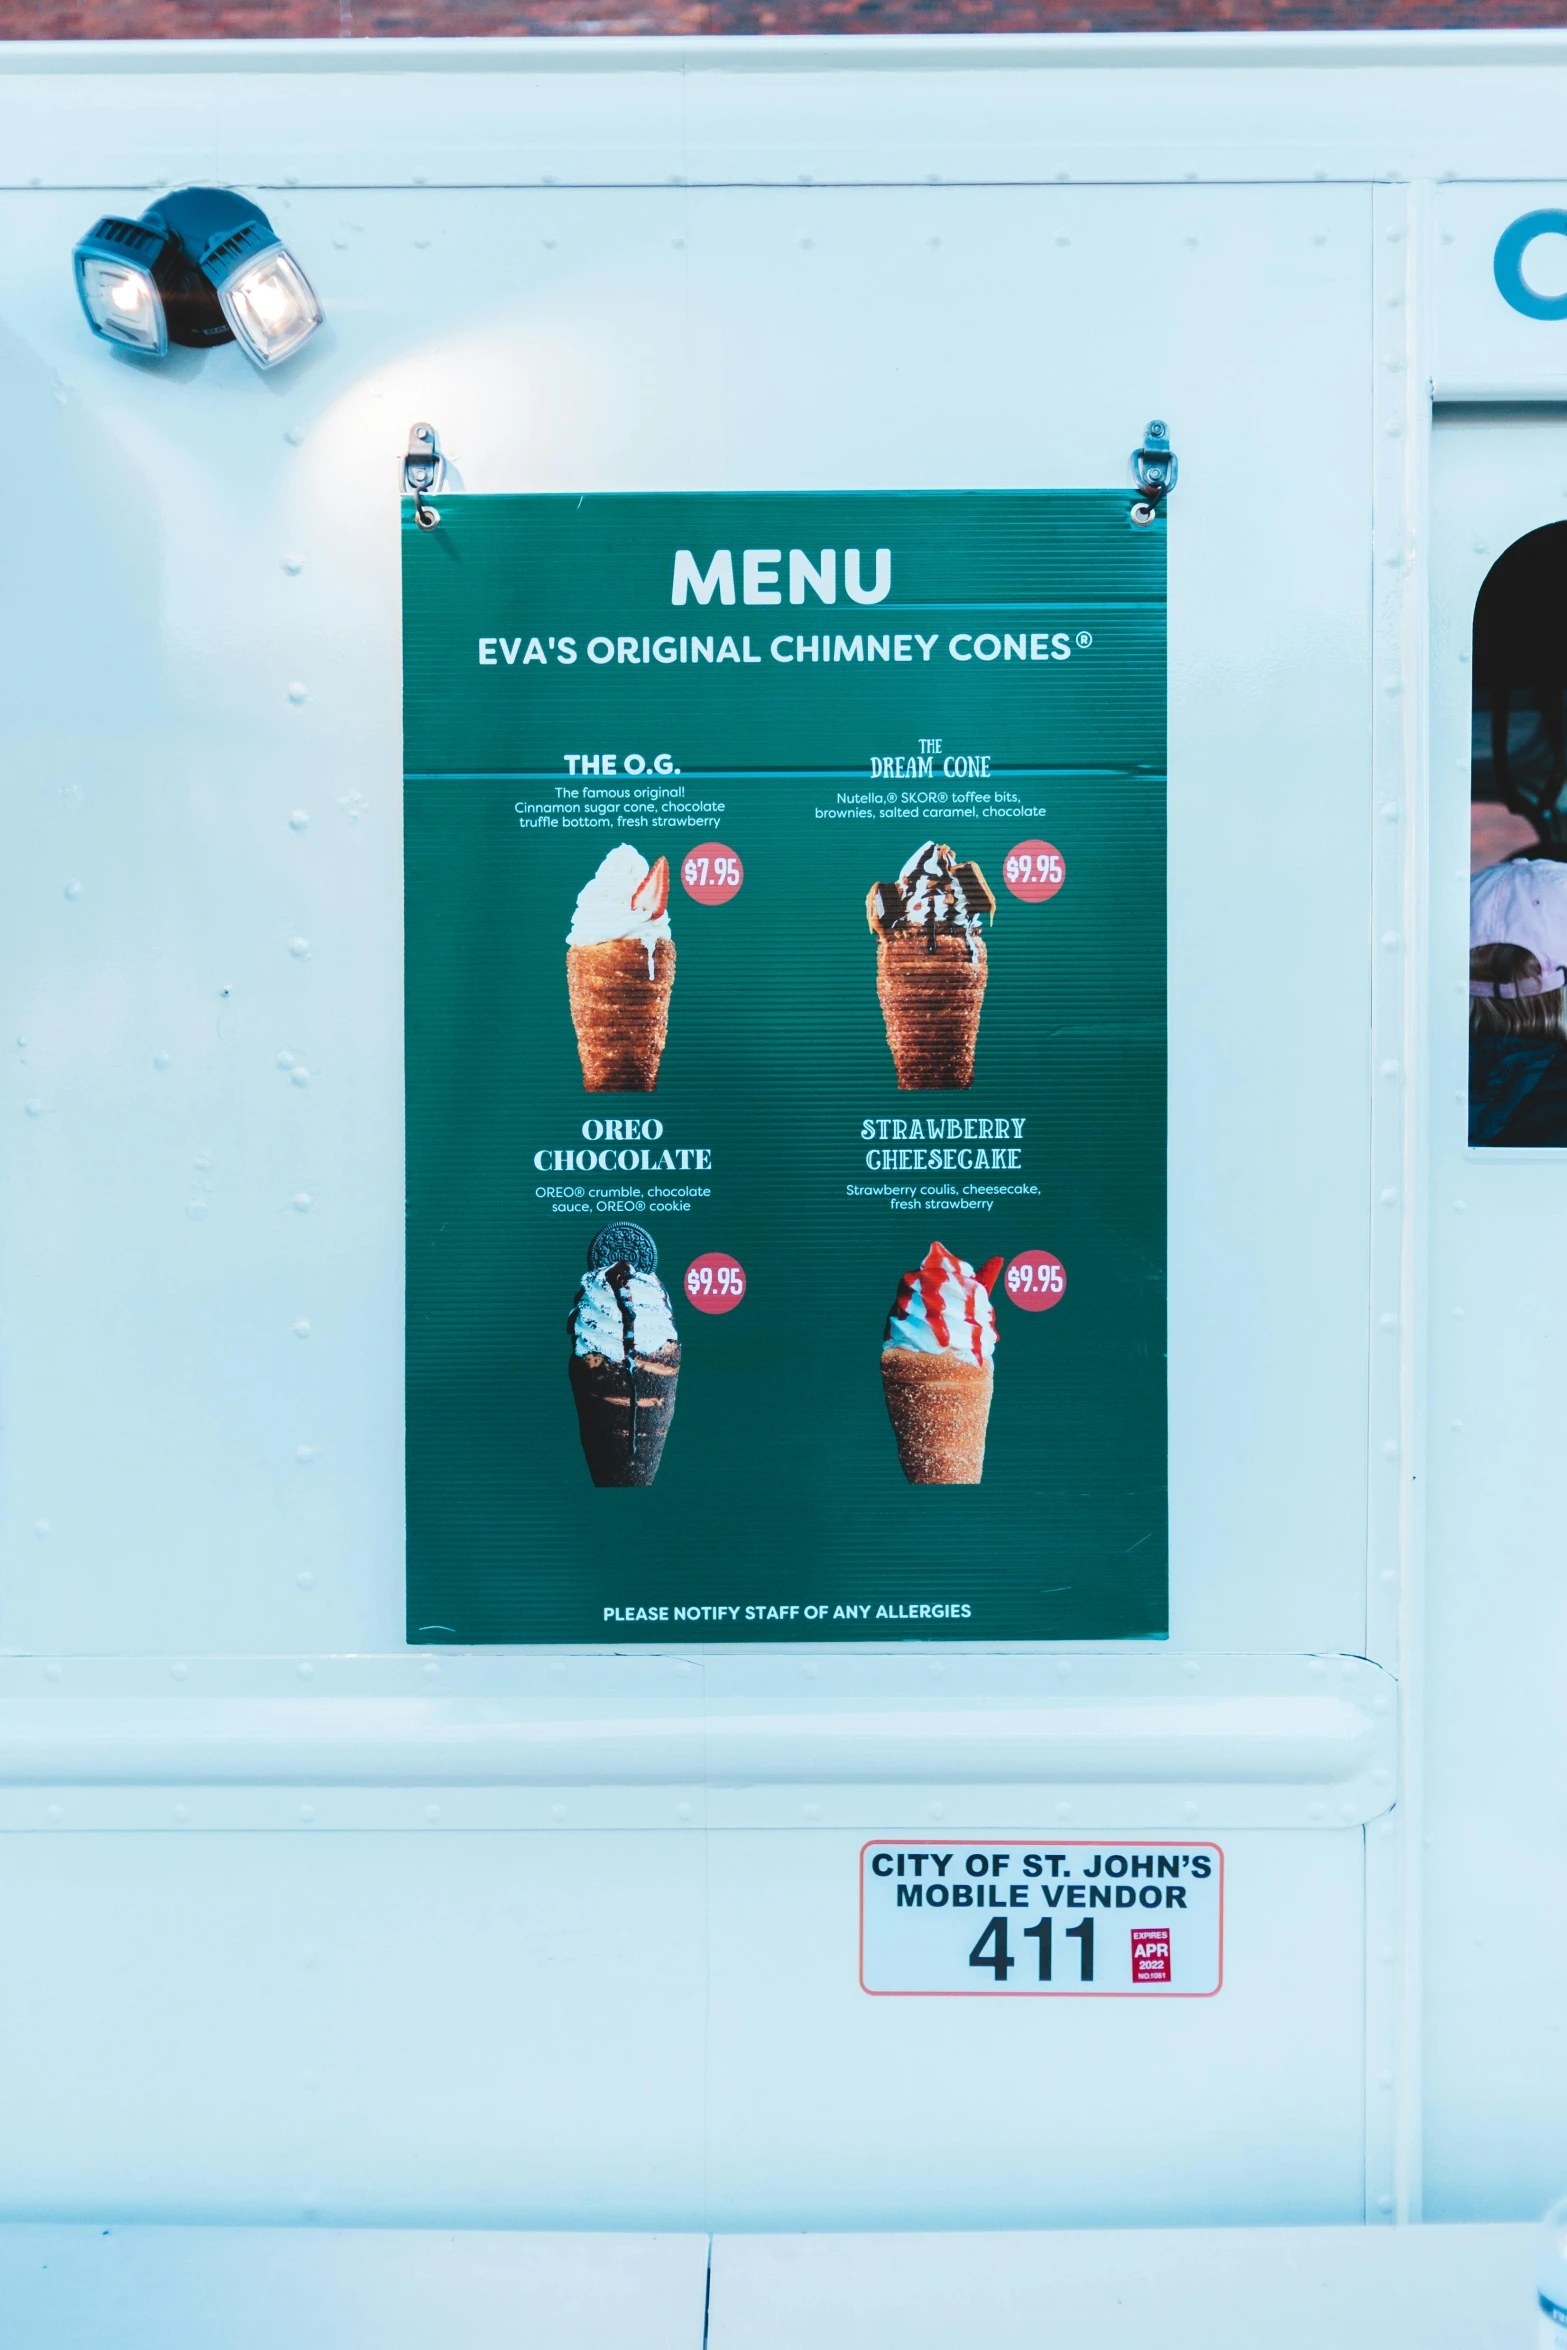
[203, 266]
[115, 266]
[265, 296]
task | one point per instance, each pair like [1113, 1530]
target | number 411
[991, 1948]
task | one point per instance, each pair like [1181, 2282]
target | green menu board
[785, 883]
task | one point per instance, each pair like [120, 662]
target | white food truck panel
[308, 1926]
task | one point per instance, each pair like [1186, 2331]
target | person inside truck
[1517, 985]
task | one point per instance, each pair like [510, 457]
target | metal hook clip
[424, 469]
[1156, 469]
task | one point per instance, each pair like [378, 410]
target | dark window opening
[1518, 765]
[1518, 849]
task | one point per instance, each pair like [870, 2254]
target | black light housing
[202, 266]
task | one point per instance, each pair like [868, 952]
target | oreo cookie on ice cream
[623, 1244]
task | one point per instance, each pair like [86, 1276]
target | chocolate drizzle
[934, 890]
[619, 1279]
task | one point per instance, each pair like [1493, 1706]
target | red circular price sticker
[712, 875]
[1034, 871]
[1035, 1281]
[715, 1283]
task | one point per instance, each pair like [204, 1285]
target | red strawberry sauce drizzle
[938, 1269]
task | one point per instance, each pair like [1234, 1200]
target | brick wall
[100, 20]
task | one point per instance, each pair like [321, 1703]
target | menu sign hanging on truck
[785, 882]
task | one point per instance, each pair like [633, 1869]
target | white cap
[1521, 904]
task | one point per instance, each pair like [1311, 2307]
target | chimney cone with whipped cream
[936, 1368]
[625, 1358]
[620, 969]
[931, 966]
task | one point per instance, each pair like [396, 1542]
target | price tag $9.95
[715, 1283]
[1035, 1280]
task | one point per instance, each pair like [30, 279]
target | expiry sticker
[1047, 1918]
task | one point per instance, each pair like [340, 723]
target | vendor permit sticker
[1041, 1920]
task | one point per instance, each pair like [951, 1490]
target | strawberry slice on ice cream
[651, 894]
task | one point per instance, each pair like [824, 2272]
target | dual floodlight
[202, 266]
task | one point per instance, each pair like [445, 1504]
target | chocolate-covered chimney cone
[603, 1393]
[625, 1357]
